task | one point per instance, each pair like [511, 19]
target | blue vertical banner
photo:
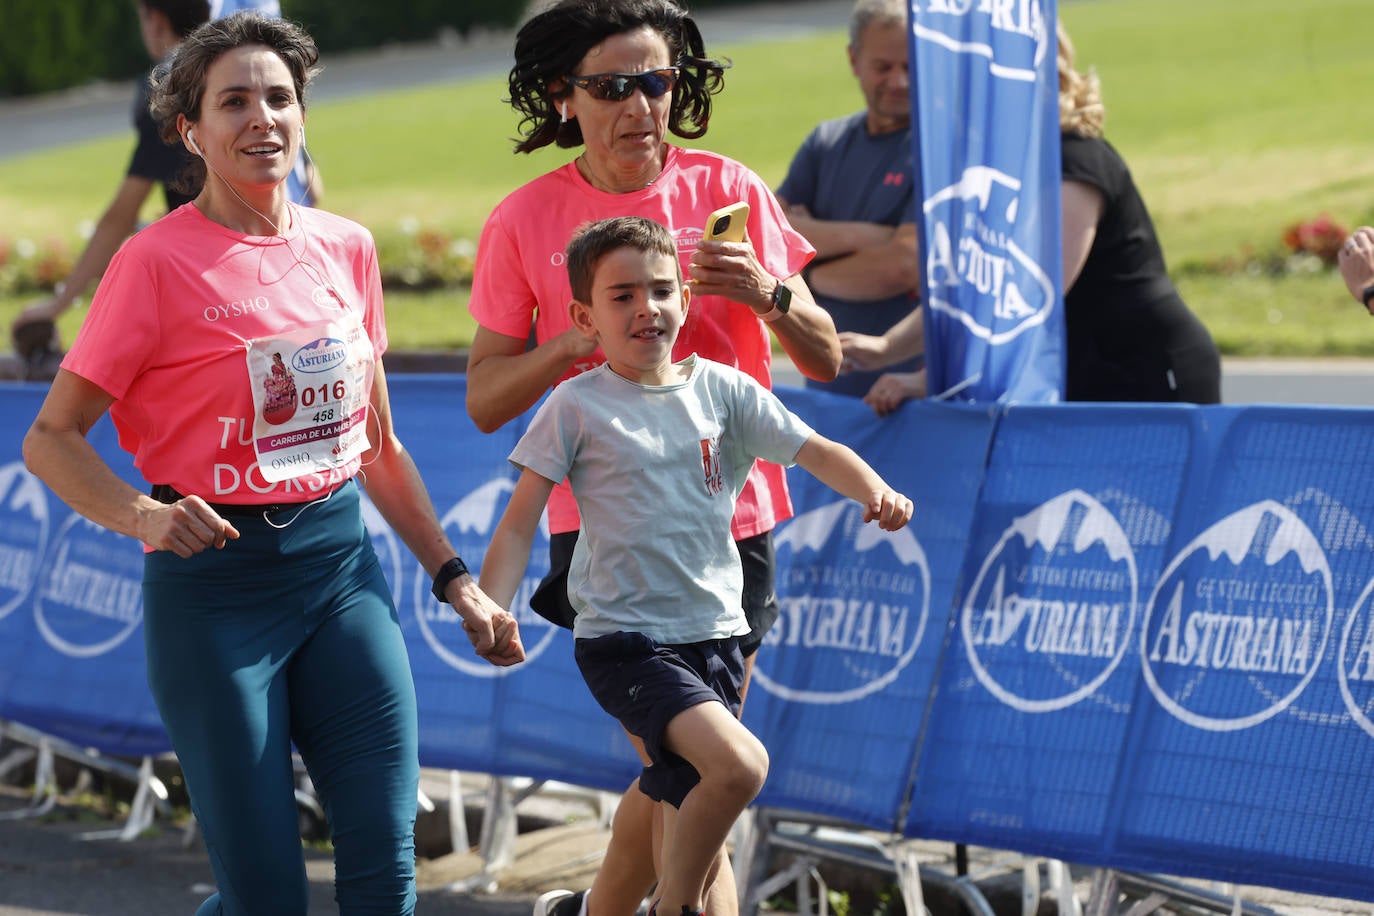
[985, 98]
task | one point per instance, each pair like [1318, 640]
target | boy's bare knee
[744, 777]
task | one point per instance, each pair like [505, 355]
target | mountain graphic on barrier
[1046, 525]
[1266, 529]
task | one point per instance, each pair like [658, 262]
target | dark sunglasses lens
[656, 82]
[615, 88]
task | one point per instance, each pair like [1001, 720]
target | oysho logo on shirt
[237, 308]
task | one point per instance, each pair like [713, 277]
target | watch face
[782, 297]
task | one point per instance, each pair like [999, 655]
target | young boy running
[656, 453]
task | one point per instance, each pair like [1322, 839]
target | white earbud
[195, 147]
[564, 110]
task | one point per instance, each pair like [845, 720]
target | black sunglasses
[617, 87]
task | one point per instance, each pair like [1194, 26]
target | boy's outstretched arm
[509, 553]
[841, 469]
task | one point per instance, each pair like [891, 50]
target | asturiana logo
[1012, 36]
[91, 598]
[1050, 615]
[1357, 661]
[23, 534]
[979, 275]
[319, 355]
[858, 610]
[1238, 623]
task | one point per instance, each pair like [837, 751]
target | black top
[153, 159]
[1130, 335]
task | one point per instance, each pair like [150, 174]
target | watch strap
[1367, 294]
[446, 574]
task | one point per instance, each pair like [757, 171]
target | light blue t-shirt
[221, 8]
[655, 471]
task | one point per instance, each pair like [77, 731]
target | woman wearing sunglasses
[613, 78]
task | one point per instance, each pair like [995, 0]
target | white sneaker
[559, 903]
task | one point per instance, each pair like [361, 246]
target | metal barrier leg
[15, 758]
[744, 834]
[457, 814]
[909, 880]
[142, 810]
[1102, 897]
[44, 785]
[497, 841]
[1061, 882]
[1030, 887]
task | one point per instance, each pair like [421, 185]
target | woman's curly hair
[550, 46]
[1080, 94]
[178, 83]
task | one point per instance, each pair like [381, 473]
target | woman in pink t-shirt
[267, 619]
[614, 78]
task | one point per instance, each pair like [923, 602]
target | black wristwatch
[782, 301]
[1366, 294]
[446, 574]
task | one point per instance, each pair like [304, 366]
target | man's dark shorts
[646, 684]
[760, 600]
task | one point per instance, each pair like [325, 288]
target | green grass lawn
[1238, 118]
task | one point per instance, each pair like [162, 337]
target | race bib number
[311, 387]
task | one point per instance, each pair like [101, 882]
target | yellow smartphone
[727, 224]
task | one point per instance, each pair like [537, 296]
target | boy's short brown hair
[591, 242]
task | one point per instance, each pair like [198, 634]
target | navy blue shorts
[646, 684]
[760, 600]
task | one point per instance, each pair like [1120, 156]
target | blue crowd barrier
[1130, 636]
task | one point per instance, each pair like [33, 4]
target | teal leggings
[289, 636]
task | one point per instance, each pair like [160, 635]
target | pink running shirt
[167, 331]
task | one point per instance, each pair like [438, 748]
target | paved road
[46, 870]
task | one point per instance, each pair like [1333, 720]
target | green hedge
[339, 25]
[56, 44]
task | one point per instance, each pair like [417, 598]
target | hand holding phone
[727, 224]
